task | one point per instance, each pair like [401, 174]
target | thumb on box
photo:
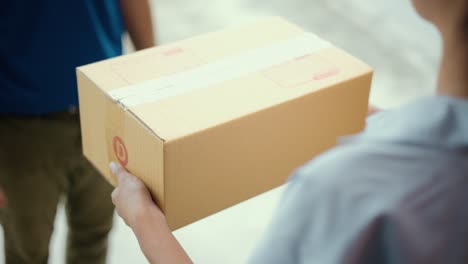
[118, 171]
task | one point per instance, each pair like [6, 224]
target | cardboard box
[216, 119]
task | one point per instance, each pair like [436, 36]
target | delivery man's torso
[42, 43]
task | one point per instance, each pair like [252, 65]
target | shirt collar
[440, 121]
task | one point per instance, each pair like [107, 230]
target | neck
[453, 74]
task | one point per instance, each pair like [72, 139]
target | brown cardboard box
[214, 120]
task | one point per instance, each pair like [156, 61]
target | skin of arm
[3, 198]
[372, 109]
[138, 22]
[136, 207]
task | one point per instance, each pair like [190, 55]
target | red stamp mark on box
[302, 70]
[120, 150]
[326, 74]
[173, 51]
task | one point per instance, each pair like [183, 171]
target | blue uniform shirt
[41, 44]
[396, 194]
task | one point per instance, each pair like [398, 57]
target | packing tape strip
[229, 68]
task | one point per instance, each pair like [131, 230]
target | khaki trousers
[41, 162]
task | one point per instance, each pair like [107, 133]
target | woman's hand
[136, 207]
[371, 109]
[131, 197]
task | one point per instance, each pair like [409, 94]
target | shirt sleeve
[284, 235]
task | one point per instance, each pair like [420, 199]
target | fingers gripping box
[213, 120]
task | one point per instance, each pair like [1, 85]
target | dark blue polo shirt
[41, 44]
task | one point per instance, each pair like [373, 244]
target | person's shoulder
[372, 170]
[337, 163]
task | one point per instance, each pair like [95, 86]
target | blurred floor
[386, 34]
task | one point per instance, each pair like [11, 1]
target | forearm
[372, 109]
[138, 22]
[156, 240]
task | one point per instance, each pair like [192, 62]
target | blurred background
[388, 35]
[401, 47]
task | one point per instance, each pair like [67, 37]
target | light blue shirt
[396, 193]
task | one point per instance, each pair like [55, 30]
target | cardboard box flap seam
[118, 102]
[144, 124]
